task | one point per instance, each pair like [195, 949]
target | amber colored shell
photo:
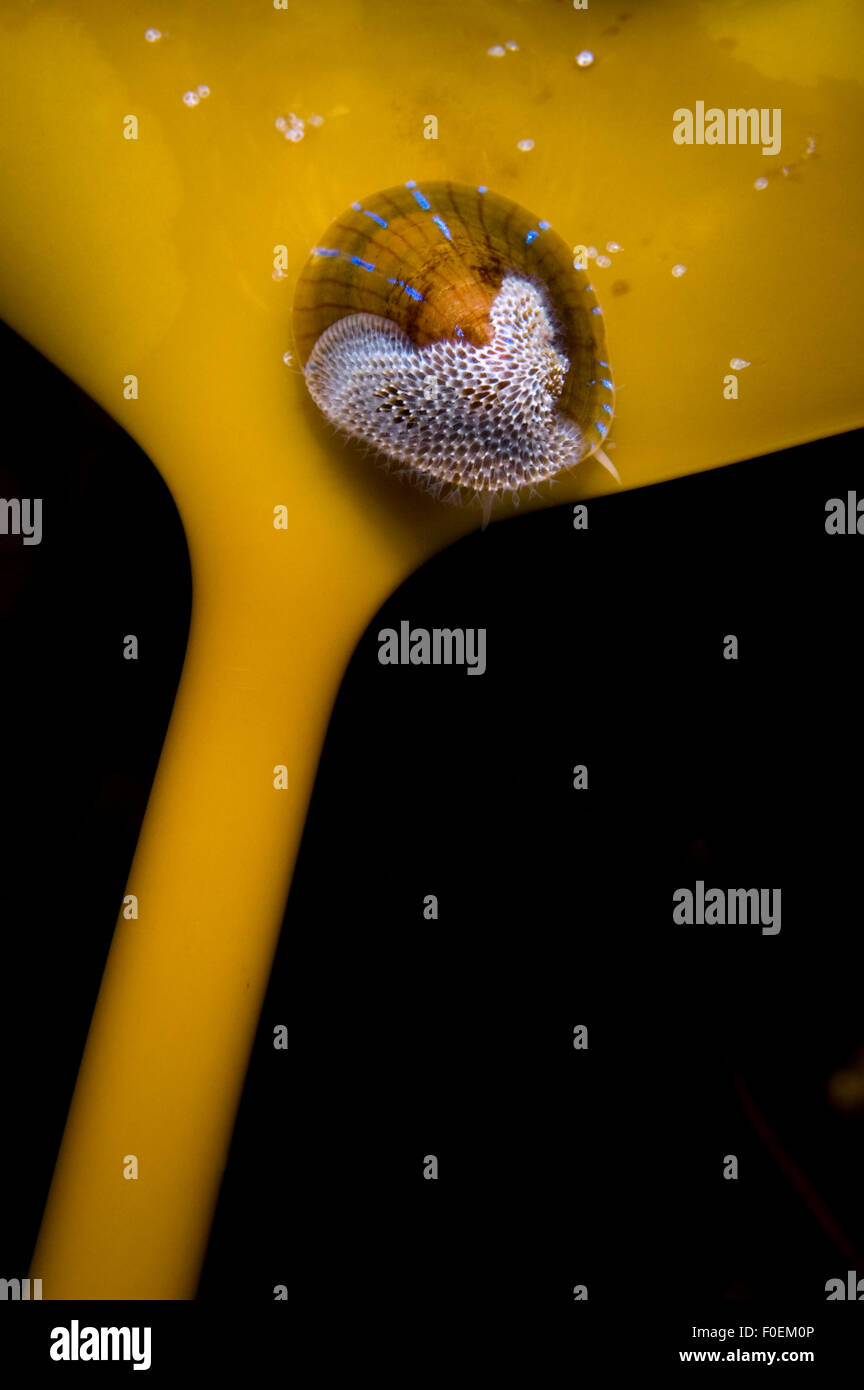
[431, 259]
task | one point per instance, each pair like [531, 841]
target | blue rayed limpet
[446, 328]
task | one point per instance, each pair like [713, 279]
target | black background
[454, 1037]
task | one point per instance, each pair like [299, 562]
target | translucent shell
[447, 328]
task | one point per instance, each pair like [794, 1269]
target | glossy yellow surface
[154, 257]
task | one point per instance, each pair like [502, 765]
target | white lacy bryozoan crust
[481, 418]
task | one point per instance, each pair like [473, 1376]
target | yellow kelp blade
[153, 258]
